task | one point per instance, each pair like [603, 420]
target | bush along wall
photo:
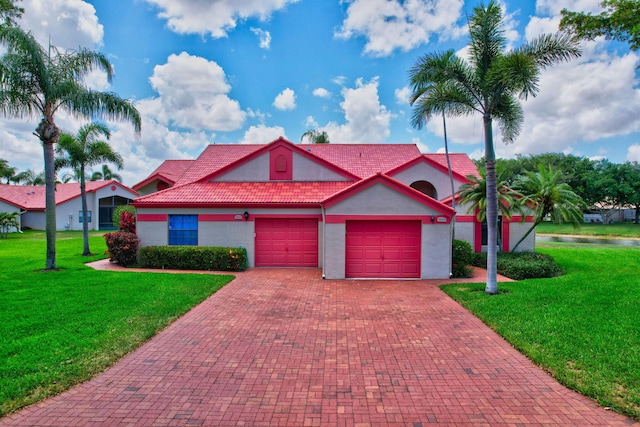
[193, 258]
[122, 247]
[522, 265]
[462, 259]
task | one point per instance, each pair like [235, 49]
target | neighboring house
[355, 210]
[165, 176]
[102, 198]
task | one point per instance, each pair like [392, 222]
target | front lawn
[625, 230]
[583, 327]
[61, 328]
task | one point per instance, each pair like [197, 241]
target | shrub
[462, 259]
[193, 258]
[117, 213]
[127, 222]
[522, 265]
[122, 247]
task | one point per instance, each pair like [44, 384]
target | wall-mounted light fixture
[246, 215]
[433, 217]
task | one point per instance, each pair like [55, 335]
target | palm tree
[489, 84]
[7, 172]
[550, 196]
[78, 152]
[29, 177]
[316, 136]
[35, 81]
[106, 175]
[474, 193]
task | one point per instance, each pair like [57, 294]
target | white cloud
[262, 134]
[553, 7]
[264, 36]
[367, 121]
[215, 17]
[388, 25]
[633, 153]
[321, 93]
[402, 95]
[286, 100]
[67, 23]
[578, 101]
[199, 102]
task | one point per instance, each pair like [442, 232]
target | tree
[602, 189]
[7, 172]
[489, 84]
[9, 12]
[29, 177]
[316, 136]
[620, 20]
[78, 152]
[629, 187]
[105, 174]
[551, 197]
[7, 222]
[474, 193]
[35, 81]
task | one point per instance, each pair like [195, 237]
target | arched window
[426, 188]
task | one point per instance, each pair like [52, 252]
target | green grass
[625, 230]
[63, 327]
[581, 327]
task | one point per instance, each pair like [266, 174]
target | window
[485, 234]
[183, 230]
[80, 217]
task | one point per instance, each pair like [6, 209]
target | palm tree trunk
[50, 204]
[85, 219]
[492, 208]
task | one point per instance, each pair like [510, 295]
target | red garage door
[383, 249]
[286, 242]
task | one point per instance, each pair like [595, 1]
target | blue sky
[228, 71]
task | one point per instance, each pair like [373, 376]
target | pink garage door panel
[383, 249]
[286, 242]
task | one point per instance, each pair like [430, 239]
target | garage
[383, 249]
[286, 242]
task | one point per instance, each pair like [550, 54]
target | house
[354, 210]
[165, 176]
[102, 198]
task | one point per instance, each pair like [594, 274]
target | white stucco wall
[307, 170]
[516, 231]
[254, 170]
[380, 200]
[425, 172]
[335, 255]
[436, 251]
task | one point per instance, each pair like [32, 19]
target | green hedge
[522, 265]
[463, 256]
[193, 258]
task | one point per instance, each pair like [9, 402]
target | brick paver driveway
[284, 347]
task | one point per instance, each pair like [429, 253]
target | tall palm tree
[106, 174]
[316, 136]
[550, 196]
[78, 152]
[38, 81]
[489, 84]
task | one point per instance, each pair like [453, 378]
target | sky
[250, 71]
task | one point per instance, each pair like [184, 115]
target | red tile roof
[461, 164]
[215, 157]
[216, 193]
[32, 197]
[364, 160]
[169, 171]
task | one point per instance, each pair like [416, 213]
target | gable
[382, 195]
[280, 160]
